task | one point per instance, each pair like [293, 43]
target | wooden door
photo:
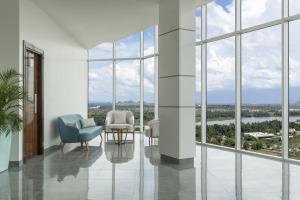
[33, 144]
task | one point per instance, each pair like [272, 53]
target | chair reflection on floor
[71, 162]
[152, 153]
[119, 153]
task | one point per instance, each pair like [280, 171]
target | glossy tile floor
[134, 171]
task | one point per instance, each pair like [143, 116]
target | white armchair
[152, 130]
[119, 119]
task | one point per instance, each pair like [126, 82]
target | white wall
[65, 67]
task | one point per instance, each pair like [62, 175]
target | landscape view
[261, 128]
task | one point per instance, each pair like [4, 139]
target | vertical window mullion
[114, 76]
[238, 74]
[156, 73]
[285, 81]
[203, 73]
[141, 81]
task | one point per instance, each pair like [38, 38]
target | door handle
[35, 103]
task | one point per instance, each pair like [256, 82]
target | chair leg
[62, 146]
[101, 139]
[87, 145]
[133, 135]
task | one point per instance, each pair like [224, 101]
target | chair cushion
[120, 117]
[86, 134]
[85, 123]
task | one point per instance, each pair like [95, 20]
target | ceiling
[92, 22]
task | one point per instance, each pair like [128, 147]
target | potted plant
[11, 97]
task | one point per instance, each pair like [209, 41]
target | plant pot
[5, 143]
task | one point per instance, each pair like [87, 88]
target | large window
[245, 60]
[294, 89]
[220, 93]
[100, 90]
[261, 91]
[117, 81]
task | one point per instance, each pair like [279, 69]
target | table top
[119, 129]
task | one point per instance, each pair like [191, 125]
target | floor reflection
[135, 171]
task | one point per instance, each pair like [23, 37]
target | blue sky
[261, 58]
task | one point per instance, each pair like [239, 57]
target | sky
[127, 72]
[261, 58]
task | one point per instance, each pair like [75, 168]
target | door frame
[30, 47]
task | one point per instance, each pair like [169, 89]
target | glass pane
[261, 178]
[221, 92]
[198, 93]
[29, 71]
[261, 91]
[255, 12]
[220, 17]
[294, 7]
[294, 88]
[104, 50]
[198, 23]
[128, 87]
[149, 40]
[128, 47]
[149, 89]
[100, 90]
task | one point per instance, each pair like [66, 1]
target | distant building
[260, 135]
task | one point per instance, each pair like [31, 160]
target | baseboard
[186, 163]
[14, 164]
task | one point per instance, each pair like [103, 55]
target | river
[248, 120]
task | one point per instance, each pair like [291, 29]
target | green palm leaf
[11, 97]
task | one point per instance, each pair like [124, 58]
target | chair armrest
[153, 123]
[131, 120]
[108, 120]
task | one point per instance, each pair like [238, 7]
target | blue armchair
[71, 134]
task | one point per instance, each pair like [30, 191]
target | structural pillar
[177, 79]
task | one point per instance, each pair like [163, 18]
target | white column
[177, 79]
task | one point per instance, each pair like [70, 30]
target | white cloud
[100, 82]
[294, 7]
[128, 80]
[261, 52]
[256, 12]
[221, 65]
[220, 20]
